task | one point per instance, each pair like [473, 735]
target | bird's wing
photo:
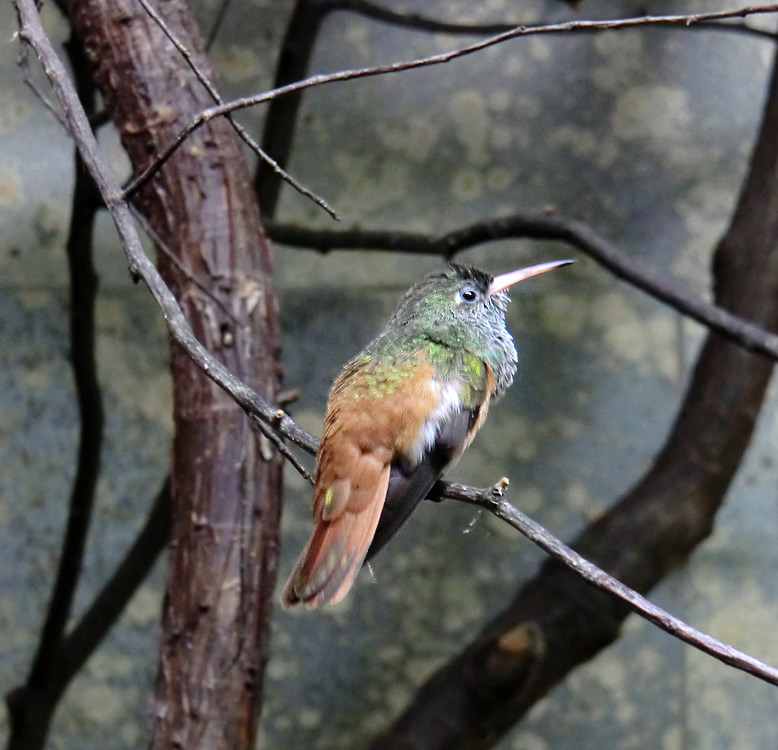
[410, 479]
[369, 419]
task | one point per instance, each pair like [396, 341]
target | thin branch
[280, 125]
[493, 500]
[420, 22]
[270, 433]
[24, 66]
[239, 129]
[540, 226]
[217, 24]
[185, 270]
[349, 75]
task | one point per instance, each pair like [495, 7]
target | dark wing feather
[409, 485]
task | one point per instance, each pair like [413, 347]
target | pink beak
[512, 277]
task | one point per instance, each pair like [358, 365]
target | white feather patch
[450, 402]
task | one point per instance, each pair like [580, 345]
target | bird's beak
[512, 277]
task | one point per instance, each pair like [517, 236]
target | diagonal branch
[280, 124]
[349, 75]
[492, 499]
[239, 129]
[31, 708]
[117, 591]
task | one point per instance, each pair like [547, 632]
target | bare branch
[349, 75]
[493, 500]
[277, 440]
[239, 129]
[217, 24]
[30, 711]
[279, 129]
[420, 22]
[117, 591]
[162, 246]
[24, 66]
[541, 226]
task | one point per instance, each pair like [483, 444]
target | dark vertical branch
[557, 621]
[31, 708]
[281, 120]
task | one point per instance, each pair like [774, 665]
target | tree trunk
[225, 489]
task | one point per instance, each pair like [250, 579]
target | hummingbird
[399, 413]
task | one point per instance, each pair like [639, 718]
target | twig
[173, 258]
[239, 129]
[280, 125]
[349, 75]
[540, 226]
[24, 66]
[217, 24]
[493, 500]
[281, 447]
[425, 23]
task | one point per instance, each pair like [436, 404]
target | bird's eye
[468, 294]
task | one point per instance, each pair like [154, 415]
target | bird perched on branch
[398, 414]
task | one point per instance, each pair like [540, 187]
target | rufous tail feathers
[334, 554]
